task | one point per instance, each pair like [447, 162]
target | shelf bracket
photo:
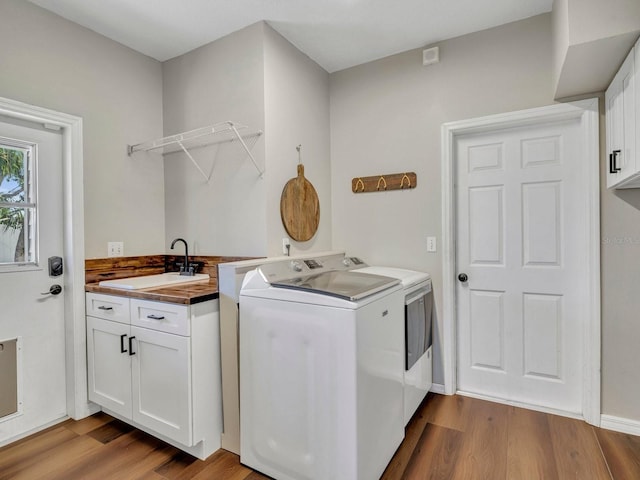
[193, 160]
[246, 149]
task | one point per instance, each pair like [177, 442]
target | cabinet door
[614, 129]
[627, 163]
[161, 376]
[109, 367]
[621, 124]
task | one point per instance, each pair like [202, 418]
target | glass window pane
[17, 203]
[12, 174]
[15, 235]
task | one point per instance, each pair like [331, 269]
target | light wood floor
[450, 437]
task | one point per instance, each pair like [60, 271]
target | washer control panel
[300, 267]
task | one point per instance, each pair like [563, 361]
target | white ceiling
[337, 34]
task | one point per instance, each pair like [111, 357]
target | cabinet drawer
[164, 317]
[109, 307]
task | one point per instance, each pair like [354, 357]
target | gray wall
[620, 259]
[221, 81]
[386, 118]
[590, 20]
[257, 78]
[50, 62]
[297, 112]
[591, 40]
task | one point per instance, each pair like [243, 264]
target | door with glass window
[31, 313]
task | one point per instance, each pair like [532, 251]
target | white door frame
[73, 235]
[587, 112]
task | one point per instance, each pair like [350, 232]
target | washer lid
[408, 278]
[349, 285]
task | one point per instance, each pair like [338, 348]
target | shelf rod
[193, 160]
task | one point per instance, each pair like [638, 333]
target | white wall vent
[430, 56]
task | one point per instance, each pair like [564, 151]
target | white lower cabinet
[109, 367]
[161, 386]
[164, 376]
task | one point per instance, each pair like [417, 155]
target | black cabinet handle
[611, 170]
[102, 307]
[155, 317]
[463, 277]
[131, 352]
[122, 337]
[613, 163]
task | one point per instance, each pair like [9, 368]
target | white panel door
[520, 242]
[31, 230]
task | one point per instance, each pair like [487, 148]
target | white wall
[386, 118]
[50, 62]
[297, 112]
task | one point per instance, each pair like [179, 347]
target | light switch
[286, 245]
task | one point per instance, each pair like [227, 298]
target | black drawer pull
[131, 352]
[155, 317]
[102, 307]
[122, 337]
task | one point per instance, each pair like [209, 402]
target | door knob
[463, 277]
[54, 290]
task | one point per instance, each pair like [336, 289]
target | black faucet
[185, 269]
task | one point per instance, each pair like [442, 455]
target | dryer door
[418, 317]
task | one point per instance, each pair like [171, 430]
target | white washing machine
[418, 316]
[321, 371]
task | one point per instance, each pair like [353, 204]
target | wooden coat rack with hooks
[386, 182]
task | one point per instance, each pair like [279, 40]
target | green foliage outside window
[12, 191]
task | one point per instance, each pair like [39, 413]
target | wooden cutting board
[300, 208]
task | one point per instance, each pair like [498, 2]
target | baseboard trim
[20, 436]
[513, 403]
[437, 388]
[619, 424]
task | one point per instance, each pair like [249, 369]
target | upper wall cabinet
[622, 101]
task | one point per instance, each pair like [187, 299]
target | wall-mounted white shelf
[218, 133]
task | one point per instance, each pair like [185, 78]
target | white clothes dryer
[418, 319]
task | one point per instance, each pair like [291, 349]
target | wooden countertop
[187, 294]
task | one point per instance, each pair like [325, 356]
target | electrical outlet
[286, 245]
[115, 249]
[431, 244]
